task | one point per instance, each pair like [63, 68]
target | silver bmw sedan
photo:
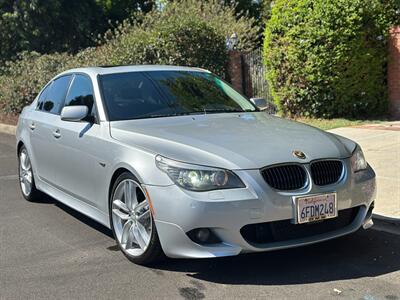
[179, 164]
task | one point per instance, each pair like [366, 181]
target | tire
[132, 221]
[26, 177]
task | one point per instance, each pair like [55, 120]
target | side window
[42, 97]
[56, 94]
[81, 93]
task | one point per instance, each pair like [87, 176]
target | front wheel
[132, 221]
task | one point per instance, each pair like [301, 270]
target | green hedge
[328, 58]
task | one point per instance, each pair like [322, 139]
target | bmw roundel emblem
[299, 154]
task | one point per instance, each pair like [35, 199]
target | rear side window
[42, 97]
[55, 95]
[81, 93]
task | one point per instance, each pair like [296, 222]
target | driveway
[48, 251]
[381, 146]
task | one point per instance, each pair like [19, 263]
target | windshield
[152, 94]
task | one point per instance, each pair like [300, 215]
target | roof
[134, 68]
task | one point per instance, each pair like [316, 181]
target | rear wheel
[26, 179]
[132, 221]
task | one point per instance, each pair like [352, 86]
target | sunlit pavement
[381, 146]
[48, 251]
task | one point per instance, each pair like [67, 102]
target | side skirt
[78, 205]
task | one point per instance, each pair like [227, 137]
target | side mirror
[74, 113]
[265, 105]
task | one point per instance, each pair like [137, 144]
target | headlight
[198, 178]
[358, 161]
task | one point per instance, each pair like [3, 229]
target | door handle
[57, 133]
[32, 126]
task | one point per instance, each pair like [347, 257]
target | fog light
[203, 236]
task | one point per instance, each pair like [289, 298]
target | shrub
[327, 58]
[221, 17]
[158, 39]
[177, 42]
[23, 79]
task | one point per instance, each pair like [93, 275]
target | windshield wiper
[155, 116]
[203, 112]
[222, 110]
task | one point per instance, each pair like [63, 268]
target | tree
[59, 25]
[118, 10]
[48, 26]
[251, 8]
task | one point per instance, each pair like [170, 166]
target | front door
[81, 168]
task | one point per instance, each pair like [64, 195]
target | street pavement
[48, 251]
[381, 147]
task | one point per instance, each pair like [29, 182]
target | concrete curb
[8, 129]
[387, 220]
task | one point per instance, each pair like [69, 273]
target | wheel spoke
[23, 160]
[28, 163]
[129, 195]
[27, 186]
[126, 232]
[120, 205]
[29, 177]
[141, 209]
[139, 235]
[120, 214]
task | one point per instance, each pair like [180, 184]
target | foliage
[327, 58]
[265, 9]
[222, 18]
[176, 42]
[160, 38]
[23, 79]
[59, 25]
[243, 7]
[119, 10]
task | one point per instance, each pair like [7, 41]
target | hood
[231, 141]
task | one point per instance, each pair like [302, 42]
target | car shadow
[45, 199]
[363, 254]
[366, 253]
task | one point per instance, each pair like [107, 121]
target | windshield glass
[152, 94]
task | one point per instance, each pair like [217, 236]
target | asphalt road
[50, 251]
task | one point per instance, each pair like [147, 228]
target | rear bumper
[226, 212]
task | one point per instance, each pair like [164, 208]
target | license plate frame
[311, 215]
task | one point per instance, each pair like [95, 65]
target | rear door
[43, 131]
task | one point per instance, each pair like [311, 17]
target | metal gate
[254, 73]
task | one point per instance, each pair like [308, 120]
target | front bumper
[226, 212]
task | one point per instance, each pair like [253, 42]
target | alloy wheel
[131, 217]
[25, 172]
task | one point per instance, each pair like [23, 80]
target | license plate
[316, 207]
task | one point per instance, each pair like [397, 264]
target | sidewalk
[381, 146]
